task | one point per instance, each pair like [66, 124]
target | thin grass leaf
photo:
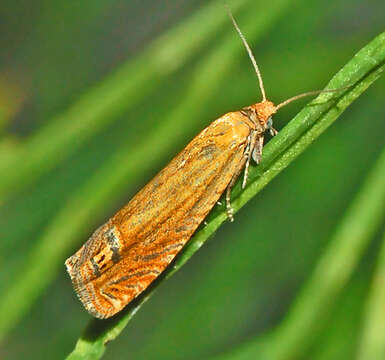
[127, 86]
[112, 178]
[361, 71]
[372, 344]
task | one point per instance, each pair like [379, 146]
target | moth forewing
[126, 254]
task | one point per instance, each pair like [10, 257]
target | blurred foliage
[372, 345]
[128, 100]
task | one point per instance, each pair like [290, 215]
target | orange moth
[123, 256]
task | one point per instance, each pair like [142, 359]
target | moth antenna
[256, 68]
[315, 92]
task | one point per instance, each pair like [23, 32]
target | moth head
[265, 110]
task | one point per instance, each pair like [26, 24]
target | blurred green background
[97, 96]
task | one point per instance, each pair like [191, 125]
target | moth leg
[229, 209]
[248, 153]
[246, 156]
[273, 131]
[257, 151]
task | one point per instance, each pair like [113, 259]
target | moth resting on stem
[126, 254]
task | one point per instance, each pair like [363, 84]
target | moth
[126, 254]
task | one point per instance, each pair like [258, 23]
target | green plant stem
[361, 71]
[372, 344]
[89, 201]
[123, 89]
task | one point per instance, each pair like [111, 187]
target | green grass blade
[89, 201]
[361, 71]
[372, 345]
[131, 83]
